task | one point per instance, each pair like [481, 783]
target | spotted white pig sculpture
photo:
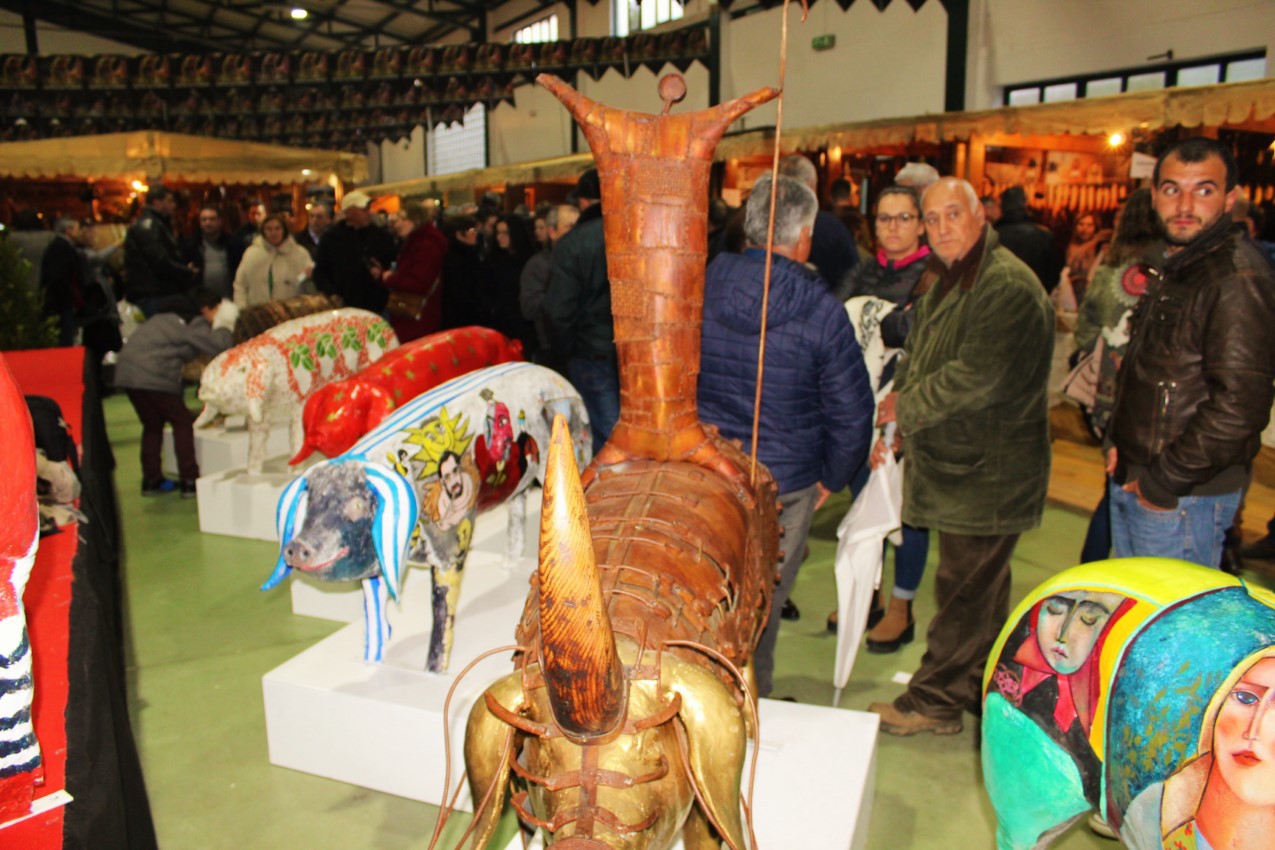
[1143, 688]
[411, 489]
[284, 365]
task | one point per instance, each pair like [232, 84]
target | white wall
[51, 39]
[1016, 41]
[884, 63]
[403, 159]
[536, 126]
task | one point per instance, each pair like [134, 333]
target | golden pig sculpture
[624, 723]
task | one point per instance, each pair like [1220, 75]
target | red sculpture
[340, 413]
[627, 711]
[19, 528]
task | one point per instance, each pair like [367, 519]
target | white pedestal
[237, 504]
[343, 601]
[223, 447]
[380, 726]
[816, 778]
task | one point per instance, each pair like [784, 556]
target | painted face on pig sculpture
[336, 542]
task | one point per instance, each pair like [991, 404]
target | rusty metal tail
[654, 171]
[583, 673]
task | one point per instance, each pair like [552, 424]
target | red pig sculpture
[340, 413]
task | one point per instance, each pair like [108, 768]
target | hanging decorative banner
[334, 99]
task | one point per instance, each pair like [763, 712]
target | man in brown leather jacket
[1195, 388]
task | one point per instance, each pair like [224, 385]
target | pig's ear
[486, 759]
[289, 516]
[715, 742]
[396, 511]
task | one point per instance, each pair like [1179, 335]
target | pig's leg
[258, 432]
[376, 624]
[297, 428]
[446, 597]
[516, 537]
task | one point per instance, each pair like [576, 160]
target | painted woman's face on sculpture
[1244, 736]
[1070, 624]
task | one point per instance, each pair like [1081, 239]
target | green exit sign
[824, 42]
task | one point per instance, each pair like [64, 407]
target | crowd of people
[947, 360]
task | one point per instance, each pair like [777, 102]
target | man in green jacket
[972, 409]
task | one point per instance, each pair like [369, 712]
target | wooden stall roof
[561, 168]
[1230, 104]
[153, 155]
[1249, 104]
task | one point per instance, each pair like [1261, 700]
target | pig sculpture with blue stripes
[412, 488]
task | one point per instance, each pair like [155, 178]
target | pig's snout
[298, 554]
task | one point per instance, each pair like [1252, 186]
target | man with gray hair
[971, 404]
[816, 402]
[918, 175]
[832, 248]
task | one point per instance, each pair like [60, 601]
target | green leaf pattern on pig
[350, 339]
[326, 346]
[301, 358]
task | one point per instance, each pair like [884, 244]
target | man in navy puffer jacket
[816, 402]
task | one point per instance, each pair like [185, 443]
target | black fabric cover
[103, 773]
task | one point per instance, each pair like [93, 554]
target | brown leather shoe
[905, 723]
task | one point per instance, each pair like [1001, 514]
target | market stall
[100, 177]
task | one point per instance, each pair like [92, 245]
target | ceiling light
[305, 172]
[298, 14]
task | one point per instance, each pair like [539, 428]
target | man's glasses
[885, 219]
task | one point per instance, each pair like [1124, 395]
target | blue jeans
[910, 557]
[598, 383]
[1097, 545]
[1193, 531]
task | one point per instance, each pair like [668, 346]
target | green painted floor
[201, 636]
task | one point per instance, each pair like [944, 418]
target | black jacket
[192, 249]
[61, 277]
[883, 278]
[303, 238]
[1033, 244]
[832, 248]
[1195, 387]
[152, 260]
[577, 305]
[342, 266]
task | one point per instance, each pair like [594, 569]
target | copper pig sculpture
[624, 724]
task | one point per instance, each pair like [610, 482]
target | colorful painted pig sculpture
[412, 489]
[1143, 688]
[284, 365]
[338, 414]
[19, 528]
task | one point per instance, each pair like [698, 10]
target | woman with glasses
[893, 276]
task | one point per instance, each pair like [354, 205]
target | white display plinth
[380, 726]
[343, 601]
[237, 504]
[798, 804]
[222, 447]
